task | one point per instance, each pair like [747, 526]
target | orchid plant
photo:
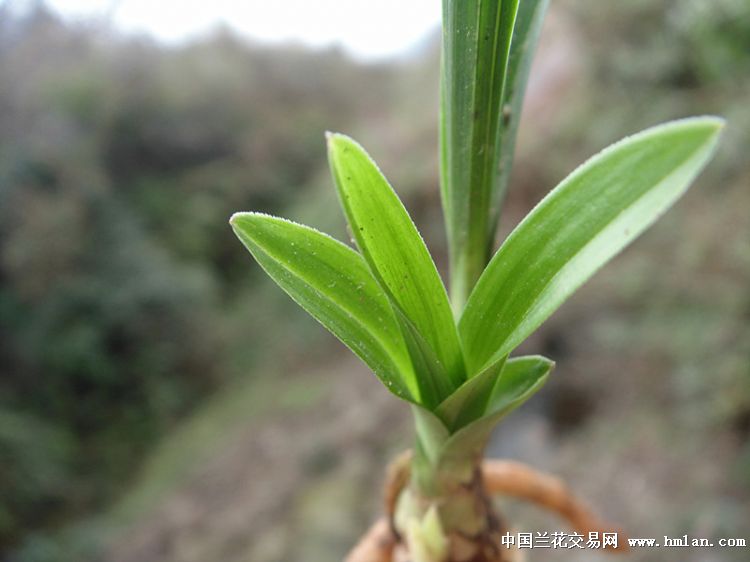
[451, 358]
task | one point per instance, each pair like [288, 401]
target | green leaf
[476, 43]
[587, 219]
[333, 283]
[397, 256]
[523, 45]
[454, 450]
[433, 381]
[469, 401]
[519, 380]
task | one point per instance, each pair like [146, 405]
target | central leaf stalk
[445, 513]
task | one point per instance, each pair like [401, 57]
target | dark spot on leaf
[507, 114]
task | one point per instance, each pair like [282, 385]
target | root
[521, 481]
[376, 546]
[396, 478]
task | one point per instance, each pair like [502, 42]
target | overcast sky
[366, 28]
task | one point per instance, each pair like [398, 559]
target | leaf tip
[709, 129]
[244, 223]
[717, 121]
[339, 142]
[243, 218]
[711, 125]
[546, 363]
[333, 138]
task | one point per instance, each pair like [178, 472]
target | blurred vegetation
[125, 301]
[120, 164]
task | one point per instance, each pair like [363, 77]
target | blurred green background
[162, 400]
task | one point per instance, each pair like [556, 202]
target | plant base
[455, 523]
